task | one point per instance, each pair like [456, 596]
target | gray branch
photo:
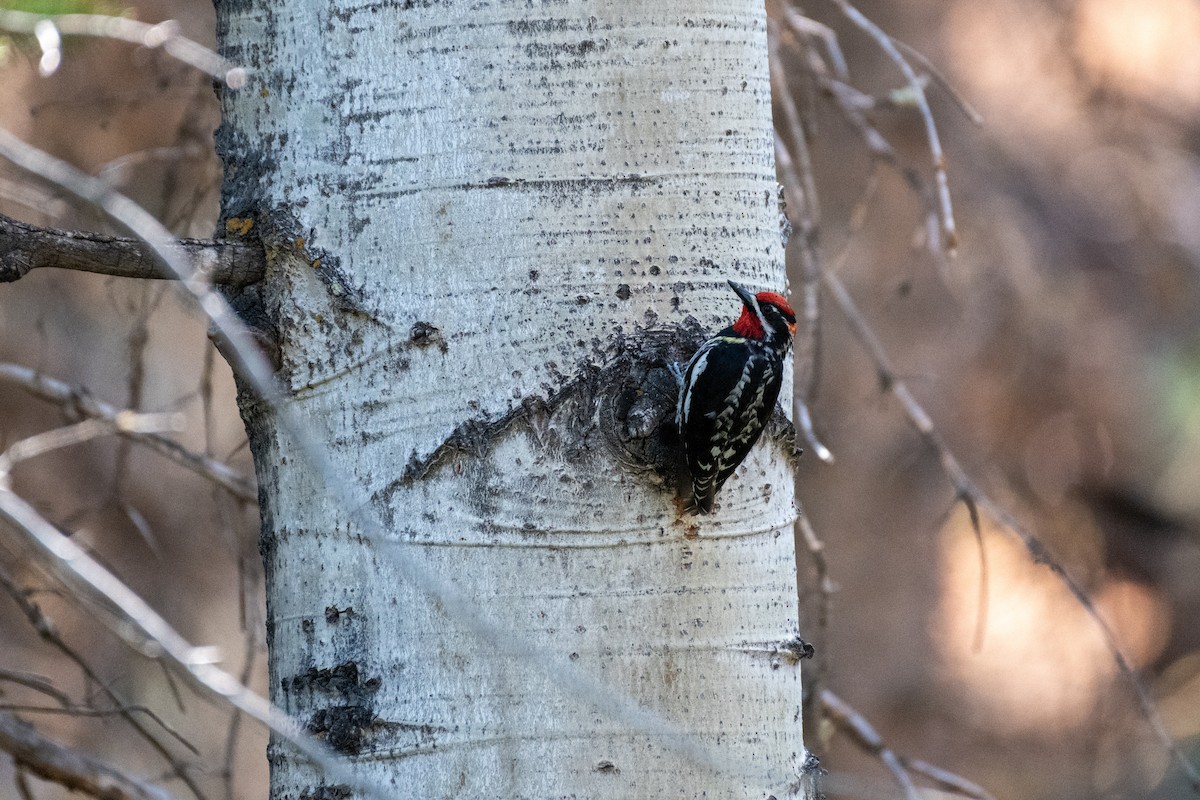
[25, 247]
[69, 768]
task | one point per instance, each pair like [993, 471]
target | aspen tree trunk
[472, 211]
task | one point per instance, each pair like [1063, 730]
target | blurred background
[1058, 353]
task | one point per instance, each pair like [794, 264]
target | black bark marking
[342, 727]
[338, 791]
[614, 387]
[247, 164]
[424, 334]
[350, 716]
[551, 186]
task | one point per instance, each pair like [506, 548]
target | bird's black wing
[739, 387]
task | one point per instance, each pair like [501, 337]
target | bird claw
[677, 371]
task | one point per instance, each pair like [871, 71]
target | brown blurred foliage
[1057, 352]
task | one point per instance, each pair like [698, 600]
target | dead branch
[849, 721]
[76, 400]
[805, 220]
[917, 89]
[46, 630]
[37, 683]
[50, 28]
[854, 105]
[24, 248]
[70, 768]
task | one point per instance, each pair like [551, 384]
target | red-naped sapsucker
[728, 390]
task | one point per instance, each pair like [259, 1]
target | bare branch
[940, 79]
[76, 400]
[854, 104]
[803, 213]
[72, 710]
[946, 779]
[850, 722]
[846, 719]
[889, 47]
[46, 630]
[25, 247]
[69, 768]
[22, 782]
[815, 680]
[37, 683]
[806, 26]
[164, 35]
[80, 432]
[114, 170]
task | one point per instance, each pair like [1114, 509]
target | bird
[728, 390]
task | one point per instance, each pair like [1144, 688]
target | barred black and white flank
[728, 391]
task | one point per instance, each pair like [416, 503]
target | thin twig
[940, 79]
[809, 373]
[48, 441]
[889, 47]
[85, 711]
[164, 35]
[69, 435]
[79, 401]
[815, 679]
[807, 26]
[252, 625]
[111, 171]
[149, 633]
[803, 213]
[68, 767]
[235, 720]
[850, 722]
[946, 779]
[22, 782]
[846, 719]
[37, 683]
[46, 630]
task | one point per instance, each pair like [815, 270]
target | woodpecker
[728, 390]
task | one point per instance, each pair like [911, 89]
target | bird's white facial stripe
[757, 309]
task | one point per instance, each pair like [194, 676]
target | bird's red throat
[748, 325]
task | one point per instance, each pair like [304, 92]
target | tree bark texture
[471, 212]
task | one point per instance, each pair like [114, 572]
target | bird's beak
[744, 293]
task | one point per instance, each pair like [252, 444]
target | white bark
[532, 180]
